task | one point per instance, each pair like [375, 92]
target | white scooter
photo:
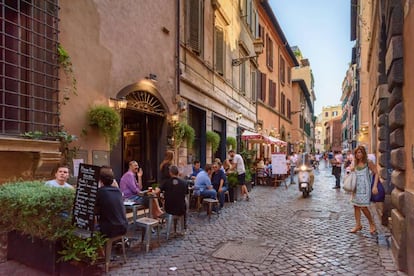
[304, 178]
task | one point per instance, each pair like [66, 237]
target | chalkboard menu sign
[86, 189]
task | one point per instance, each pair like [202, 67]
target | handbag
[380, 196]
[349, 184]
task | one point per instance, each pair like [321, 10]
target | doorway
[141, 134]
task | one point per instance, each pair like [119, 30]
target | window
[289, 109]
[254, 85]
[282, 70]
[272, 93]
[326, 114]
[249, 14]
[269, 52]
[28, 67]
[289, 75]
[261, 92]
[195, 25]
[242, 77]
[219, 51]
[282, 103]
[334, 113]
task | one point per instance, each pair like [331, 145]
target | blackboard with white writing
[86, 189]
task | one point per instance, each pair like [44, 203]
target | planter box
[78, 269]
[43, 255]
[33, 252]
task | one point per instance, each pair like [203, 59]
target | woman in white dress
[362, 195]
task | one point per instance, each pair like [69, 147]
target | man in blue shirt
[196, 170]
[203, 186]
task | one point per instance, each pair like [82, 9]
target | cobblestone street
[276, 233]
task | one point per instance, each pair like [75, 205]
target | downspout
[177, 51]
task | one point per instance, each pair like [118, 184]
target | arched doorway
[144, 130]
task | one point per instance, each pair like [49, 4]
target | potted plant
[233, 183]
[231, 143]
[38, 219]
[214, 139]
[108, 122]
[181, 132]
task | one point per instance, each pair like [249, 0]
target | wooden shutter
[195, 26]
[219, 58]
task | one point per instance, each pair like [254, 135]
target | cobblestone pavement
[277, 232]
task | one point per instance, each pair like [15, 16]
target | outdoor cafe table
[150, 196]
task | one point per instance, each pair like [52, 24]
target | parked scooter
[304, 176]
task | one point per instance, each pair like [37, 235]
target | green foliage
[249, 158]
[232, 179]
[189, 135]
[44, 212]
[108, 121]
[35, 135]
[80, 249]
[66, 63]
[214, 139]
[231, 141]
[35, 209]
[183, 131]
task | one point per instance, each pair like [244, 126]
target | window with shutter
[282, 103]
[269, 52]
[282, 70]
[219, 51]
[242, 84]
[253, 85]
[195, 25]
[263, 87]
[289, 109]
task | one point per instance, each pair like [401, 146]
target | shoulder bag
[349, 184]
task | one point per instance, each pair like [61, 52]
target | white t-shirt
[238, 160]
[54, 183]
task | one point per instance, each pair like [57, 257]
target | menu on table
[86, 189]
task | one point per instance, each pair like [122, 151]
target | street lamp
[258, 49]
[302, 107]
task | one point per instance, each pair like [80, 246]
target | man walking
[238, 165]
[337, 161]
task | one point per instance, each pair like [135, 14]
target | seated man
[61, 176]
[219, 182]
[196, 170]
[130, 188]
[174, 190]
[202, 185]
[110, 206]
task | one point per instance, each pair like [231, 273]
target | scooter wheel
[305, 194]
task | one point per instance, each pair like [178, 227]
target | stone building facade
[388, 27]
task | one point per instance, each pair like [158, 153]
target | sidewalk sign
[279, 165]
[86, 189]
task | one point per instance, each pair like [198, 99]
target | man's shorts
[241, 178]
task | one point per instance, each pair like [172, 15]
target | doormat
[243, 252]
[317, 214]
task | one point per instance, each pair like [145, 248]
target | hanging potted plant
[108, 122]
[183, 131]
[214, 139]
[231, 143]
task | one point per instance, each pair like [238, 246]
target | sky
[321, 30]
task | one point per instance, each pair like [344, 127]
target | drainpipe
[177, 50]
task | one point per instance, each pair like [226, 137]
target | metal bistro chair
[262, 177]
[108, 250]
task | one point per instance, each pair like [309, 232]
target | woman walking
[362, 195]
